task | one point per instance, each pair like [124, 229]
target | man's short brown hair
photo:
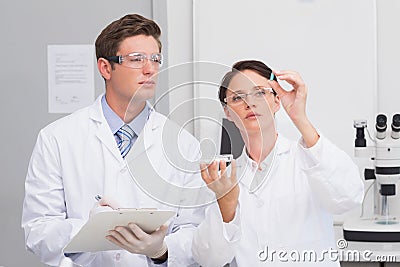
[107, 43]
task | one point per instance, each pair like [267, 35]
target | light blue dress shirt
[115, 122]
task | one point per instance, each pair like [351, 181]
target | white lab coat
[291, 211]
[75, 159]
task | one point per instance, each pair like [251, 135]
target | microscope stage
[372, 230]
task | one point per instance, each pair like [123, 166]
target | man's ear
[227, 113]
[104, 67]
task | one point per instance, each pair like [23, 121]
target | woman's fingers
[216, 178]
[291, 77]
[222, 167]
[204, 174]
[233, 171]
[209, 172]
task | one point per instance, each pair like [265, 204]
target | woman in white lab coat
[276, 205]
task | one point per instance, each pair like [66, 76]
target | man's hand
[226, 188]
[133, 239]
[105, 203]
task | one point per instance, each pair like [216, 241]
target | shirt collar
[115, 122]
[137, 124]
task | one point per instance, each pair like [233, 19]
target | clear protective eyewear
[137, 60]
[258, 94]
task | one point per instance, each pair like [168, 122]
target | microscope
[383, 226]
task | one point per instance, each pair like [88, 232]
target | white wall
[180, 67]
[388, 56]
[331, 43]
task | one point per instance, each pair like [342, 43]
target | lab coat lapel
[146, 138]
[102, 130]
[106, 137]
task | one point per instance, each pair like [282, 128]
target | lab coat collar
[96, 111]
[249, 167]
[102, 130]
[106, 136]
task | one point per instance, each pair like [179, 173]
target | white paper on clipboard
[92, 236]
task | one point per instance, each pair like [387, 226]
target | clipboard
[92, 236]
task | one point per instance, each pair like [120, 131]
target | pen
[97, 197]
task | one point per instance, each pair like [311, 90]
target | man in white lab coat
[85, 154]
[276, 205]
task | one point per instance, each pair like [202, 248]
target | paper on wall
[70, 77]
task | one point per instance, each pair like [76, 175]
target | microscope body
[384, 226]
[387, 160]
[387, 171]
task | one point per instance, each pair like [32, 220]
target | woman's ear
[104, 68]
[277, 103]
[227, 113]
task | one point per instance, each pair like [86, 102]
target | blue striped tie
[124, 139]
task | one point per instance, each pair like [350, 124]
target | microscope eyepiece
[396, 126]
[381, 123]
[381, 126]
[396, 121]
